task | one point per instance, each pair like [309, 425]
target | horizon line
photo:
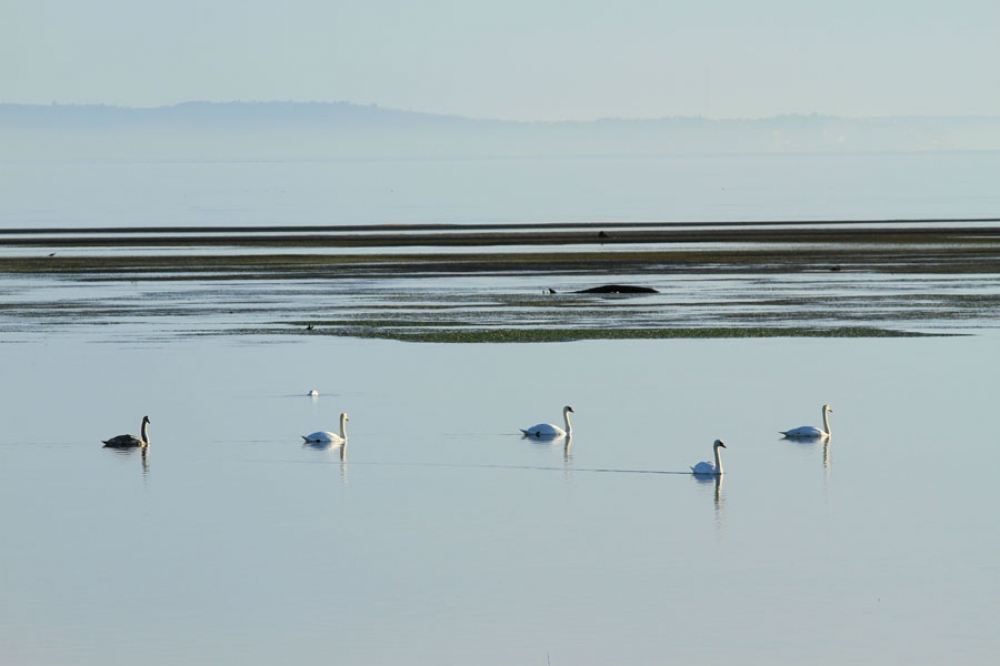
[442, 115]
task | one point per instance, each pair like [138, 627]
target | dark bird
[130, 441]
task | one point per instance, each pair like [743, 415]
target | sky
[513, 59]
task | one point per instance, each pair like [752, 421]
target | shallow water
[446, 538]
[154, 306]
[443, 537]
[74, 194]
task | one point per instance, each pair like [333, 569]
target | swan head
[568, 410]
[719, 444]
[827, 408]
[145, 420]
[345, 417]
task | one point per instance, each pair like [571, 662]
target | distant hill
[209, 114]
[287, 130]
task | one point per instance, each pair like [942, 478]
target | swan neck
[718, 460]
[143, 435]
[826, 422]
[569, 426]
[343, 427]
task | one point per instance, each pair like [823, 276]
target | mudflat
[925, 245]
[507, 282]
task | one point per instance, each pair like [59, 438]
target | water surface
[443, 537]
[691, 188]
[446, 538]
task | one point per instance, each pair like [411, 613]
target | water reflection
[126, 453]
[567, 442]
[331, 446]
[806, 441]
[719, 500]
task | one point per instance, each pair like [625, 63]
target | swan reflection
[131, 451]
[328, 446]
[806, 441]
[341, 449]
[567, 442]
[719, 500]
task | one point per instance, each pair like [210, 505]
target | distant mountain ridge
[280, 112]
[289, 130]
[274, 113]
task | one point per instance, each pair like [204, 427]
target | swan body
[550, 431]
[711, 468]
[812, 432]
[130, 441]
[327, 437]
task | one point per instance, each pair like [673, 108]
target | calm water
[665, 189]
[447, 539]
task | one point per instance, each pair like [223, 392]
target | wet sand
[963, 246]
[439, 283]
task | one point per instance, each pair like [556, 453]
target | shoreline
[895, 280]
[785, 247]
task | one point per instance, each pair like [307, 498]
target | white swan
[313, 394]
[129, 441]
[549, 431]
[327, 437]
[812, 432]
[711, 468]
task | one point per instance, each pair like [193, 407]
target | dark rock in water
[617, 289]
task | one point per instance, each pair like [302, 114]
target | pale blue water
[447, 539]
[651, 189]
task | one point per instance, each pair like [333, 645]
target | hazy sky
[513, 59]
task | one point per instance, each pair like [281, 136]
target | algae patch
[542, 335]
